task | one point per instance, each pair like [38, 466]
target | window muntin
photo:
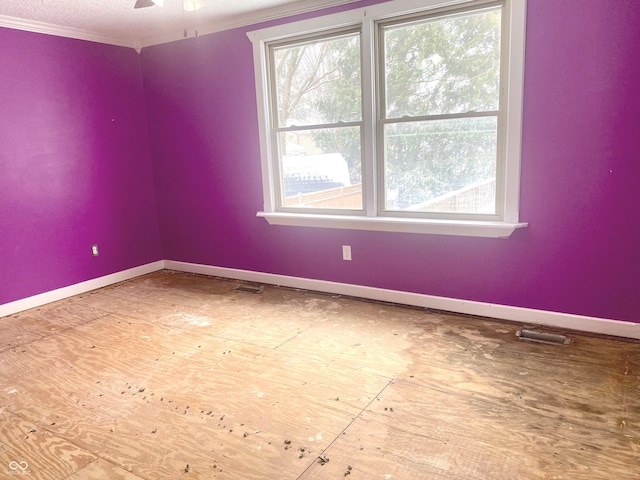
[439, 77]
[317, 113]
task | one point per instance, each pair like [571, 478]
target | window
[398, 117]
[316, 109]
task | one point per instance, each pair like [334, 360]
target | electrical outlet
[346, 252]
[94, 250]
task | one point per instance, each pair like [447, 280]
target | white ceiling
[117, 22]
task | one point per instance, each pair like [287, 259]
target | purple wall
[75, 169]
[74, 163]
[580, 166]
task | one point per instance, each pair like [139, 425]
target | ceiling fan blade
[144, 3]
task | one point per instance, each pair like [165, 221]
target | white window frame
[371, 219]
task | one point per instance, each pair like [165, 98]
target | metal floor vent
[542, 337]
[249, 288]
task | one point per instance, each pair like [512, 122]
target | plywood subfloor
[178, 376]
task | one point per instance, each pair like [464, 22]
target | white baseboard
[78, 288]
[517, 314]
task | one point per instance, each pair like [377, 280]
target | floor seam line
[375, 397]
[51, 335]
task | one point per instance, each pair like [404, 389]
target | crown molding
[252, 18]
[67, 32]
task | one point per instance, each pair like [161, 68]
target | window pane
[321, 168]
[441, 166]
[444, 65]
[318, 82]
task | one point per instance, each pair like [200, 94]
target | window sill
[392, 224]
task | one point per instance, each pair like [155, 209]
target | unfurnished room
[319, 239]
